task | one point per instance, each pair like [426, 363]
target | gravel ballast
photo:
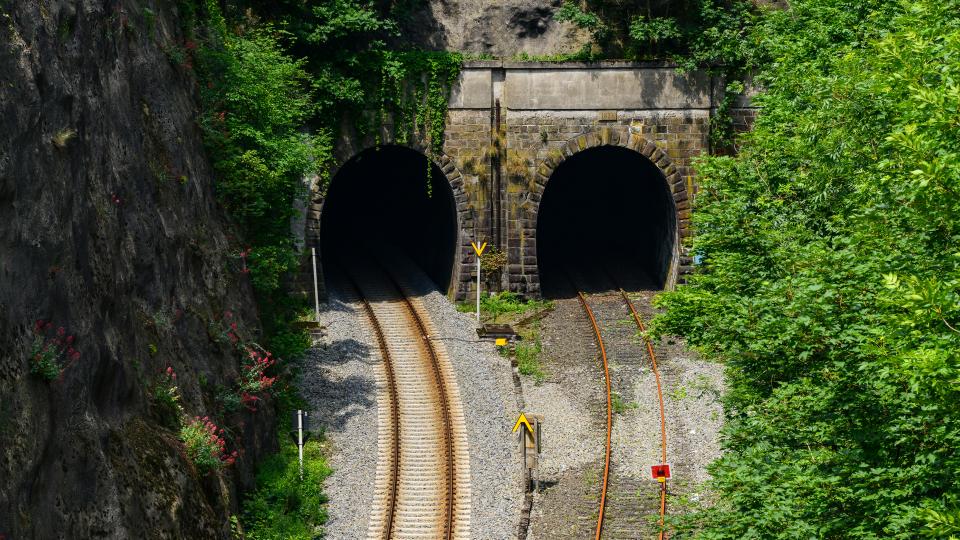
[339, 383]
[490, 408]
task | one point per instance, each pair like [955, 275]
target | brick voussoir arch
[631, 141]
[441, 160]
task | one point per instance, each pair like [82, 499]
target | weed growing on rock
[253, 380]
[166, 397]
[205, 445]
[228, 399]
[528, 360]
[62, 137]
[52, 352]
[619, 406]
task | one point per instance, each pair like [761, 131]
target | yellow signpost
[530, 446]
[479, 250]
[522, 420]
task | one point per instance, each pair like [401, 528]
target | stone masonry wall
[511, 124]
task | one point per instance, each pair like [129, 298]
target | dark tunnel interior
[378, 206]
[606, 220]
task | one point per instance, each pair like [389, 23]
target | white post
[300, 439]
[316, 292]
[478, 288]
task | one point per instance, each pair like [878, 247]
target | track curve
[422, 488]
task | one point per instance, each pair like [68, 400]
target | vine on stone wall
[414, 89]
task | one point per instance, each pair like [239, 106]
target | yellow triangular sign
[479, 249]
[522, 420]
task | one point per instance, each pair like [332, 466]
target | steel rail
[444, 406]
[663, 416]
[394, 407]
[606, 377]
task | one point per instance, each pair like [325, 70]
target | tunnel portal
[607, 219]
[379, 206]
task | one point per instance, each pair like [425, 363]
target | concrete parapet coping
[599, 64]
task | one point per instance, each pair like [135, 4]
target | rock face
[110, 229]
[502, 28]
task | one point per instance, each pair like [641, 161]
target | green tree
[830, 279]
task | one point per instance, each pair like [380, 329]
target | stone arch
[623, 137]
[442, 161]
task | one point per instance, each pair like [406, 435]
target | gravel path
[338, 382]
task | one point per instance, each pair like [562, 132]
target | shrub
[830, 279]
[283, 507]
[166, 397]
[205, 445]
[51, 355]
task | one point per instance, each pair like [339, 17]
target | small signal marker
[523, 421]
[661, 472]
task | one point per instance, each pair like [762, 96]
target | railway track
[607, 478]
[422, 487]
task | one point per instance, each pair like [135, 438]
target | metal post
[300, 439]
[478, 288]
[316, 292]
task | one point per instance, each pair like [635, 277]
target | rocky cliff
[110, 230]
[503, 28]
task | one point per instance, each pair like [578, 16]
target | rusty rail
[606, 377]
[663, 416]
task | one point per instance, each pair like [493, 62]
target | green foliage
[573, 13]
[255, 100]
[830, 282]
[528, 359]
[416, 108]
[944, 524]
[690, 32]
[283, 507]
[205, 446]
[496, 304]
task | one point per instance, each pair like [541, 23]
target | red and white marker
[661, 472]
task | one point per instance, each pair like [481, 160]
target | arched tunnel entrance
[606, 219]
[379, 206]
